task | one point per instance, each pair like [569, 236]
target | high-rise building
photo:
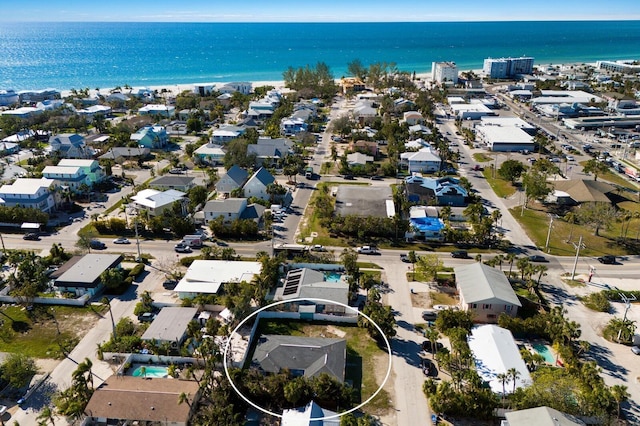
[507, 67]
[444, 71]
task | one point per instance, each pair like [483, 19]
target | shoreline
[176, 88]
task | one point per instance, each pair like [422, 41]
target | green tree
[535, 185]
[511, 170]
[112, 279]
[620, 395]
[18, 369]
[356, 69]
[428, 266]
[46, 416]
[595, 167]
[597, 215]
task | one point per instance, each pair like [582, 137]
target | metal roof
[87, 270]
[479, 282]
[170, 325]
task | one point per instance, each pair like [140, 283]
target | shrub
[188, 260]
[136, 270]
[597, 302]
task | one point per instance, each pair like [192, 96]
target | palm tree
[514, 374]
[503, 377]
[522, 264]
[510, 257]
[620, 395]
[432, 334]
[45, 416]
[106, 302]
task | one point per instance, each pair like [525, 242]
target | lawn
[501, 187]
[43, 332]
[481, 157]
[363, 355]
[536, 224]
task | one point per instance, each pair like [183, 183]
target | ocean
[105, 55]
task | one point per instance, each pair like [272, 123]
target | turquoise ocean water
[78, 55]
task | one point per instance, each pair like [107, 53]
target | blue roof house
[152, 137]
[445, 191]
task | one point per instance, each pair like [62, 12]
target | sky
[316, 11]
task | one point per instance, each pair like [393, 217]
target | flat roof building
[444, 71]
[207, 276]
[498, 138]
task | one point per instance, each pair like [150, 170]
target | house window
[507, 308]
[485, 306]
[474, 306]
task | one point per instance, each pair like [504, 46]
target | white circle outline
[264, 410]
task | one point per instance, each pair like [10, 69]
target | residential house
[156, 202]
[292, 126]
[420, 129]
[486, 292]
[424, 227]
[351, 85]
[425, 160]
[8, 148]
[412, 118]
[208, 276]
[179, 183]
[117, 99]
[81, 274]
[540, 416]
[244, 87]
[308, 415]
[31, 96]
[138, 400]
[123, 153]
[170, 326]
[91, 169]
[166, 111]
[28, 192]
[358, 159]
[268, 151]
[90, 113]
[152, 137]
[364, 112]
[204, 89]
[444, 191]
[365, 147]
[70, 145]
[8, 97]
[232, 180]
[22, 112]
[232, 209]
[257, 184]
[70, 177]
[495, 352]
[306, 283]
[302, 356]
[416, 144]
[226, 133]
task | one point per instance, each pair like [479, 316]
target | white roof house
[308, 415]
[540, 416]
[154, 109]
[486, 291]
[28, 192]
[358, 158]
[207, 276]
[155, 201]
[495, 352]
[425, 160]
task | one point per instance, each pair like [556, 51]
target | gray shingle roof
[170, 324]
[170, 180]
[230, 205]
[237, 174]
[308, 356]
[263, 176]
[478, 282]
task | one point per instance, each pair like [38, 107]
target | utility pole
[546, 245]
[139, 259]
[575, 263]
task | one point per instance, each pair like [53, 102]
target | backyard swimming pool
[332, 277]
[150, 371]
[545, 351]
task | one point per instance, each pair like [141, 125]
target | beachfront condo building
[444, 71]
[507, 67]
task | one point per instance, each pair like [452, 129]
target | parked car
[537, 258]
[121, 240]
[460, 254]
[349, 177]
[367, 250]
[169, 284]
[429, 315]
[31, 236]
[607, 259]
[176, 171]
[182, 248]
[376, 177]
[428, 367]
[478, 168]
[405, 258]
[97, 245]
[317, 247]
[635, 350]
[146, 317]
[570, 157]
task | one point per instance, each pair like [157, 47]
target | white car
[317, 247]
[570, 158]
[367, 250]
[121, 240]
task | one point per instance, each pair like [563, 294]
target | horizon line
[637, 19]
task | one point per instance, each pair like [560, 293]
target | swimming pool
[150, 371]
[545, 351]
[332, 277]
